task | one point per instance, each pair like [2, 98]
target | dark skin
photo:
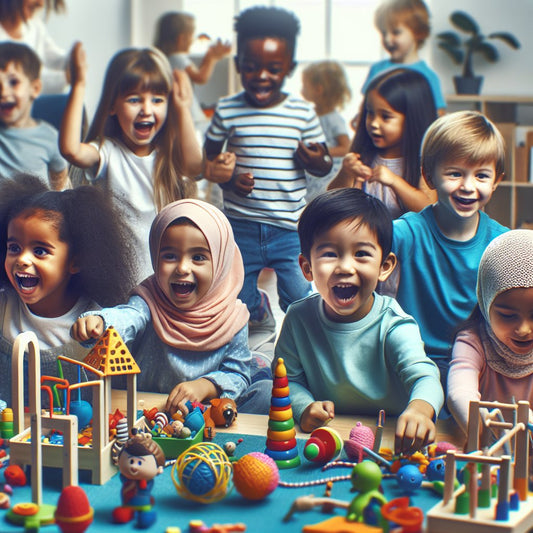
[263, 65]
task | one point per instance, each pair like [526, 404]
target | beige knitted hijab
[507, 263]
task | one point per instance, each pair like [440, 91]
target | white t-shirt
[129, 178]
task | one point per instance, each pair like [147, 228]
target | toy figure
[221, 412]
[140, 461]
[366, 479]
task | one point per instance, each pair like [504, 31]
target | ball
[83, 410]
[202, 473]
[255, 475]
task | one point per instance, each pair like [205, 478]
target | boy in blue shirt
[272, 139]
[348, 349]
[26, 145]
[439, 249]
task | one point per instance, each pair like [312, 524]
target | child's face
[38, 265]
[184, 266]
[141, 115]
[463, 189]
[400, 42]
[17, 93]
[263, 64]
[511, 319]
[346, 264]
[141, 467]
[384, 125]
[185, 41]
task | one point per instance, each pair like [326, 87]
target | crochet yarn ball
[359, 436]
[255, 475]
[202, 473]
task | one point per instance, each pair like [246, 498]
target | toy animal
[222, 412]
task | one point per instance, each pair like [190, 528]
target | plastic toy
[73, 513]
[409, 478]
[366, 479]
[255, 475]
[281, 435]
[324, 445]
[222, 412]
[15, 476]
[202, 473]
[513, 511]
[140, 461]
[198, 526]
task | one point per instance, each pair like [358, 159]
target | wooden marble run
[109, 357]
[470, 507]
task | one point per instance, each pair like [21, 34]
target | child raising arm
[347, 349]
[141, 144]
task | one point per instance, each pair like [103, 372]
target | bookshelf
[512, 202]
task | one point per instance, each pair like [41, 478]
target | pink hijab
[219, 315]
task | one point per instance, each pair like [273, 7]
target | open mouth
[465, 201]
[183, 288]
[345, 292]
[26, 282]
[7, 106]
[144, 127]
[523, 344]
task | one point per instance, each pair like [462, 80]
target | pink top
[470, 378]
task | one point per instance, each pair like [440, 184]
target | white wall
[106, 26]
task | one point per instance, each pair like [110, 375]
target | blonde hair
[145, 69]
[463, 136]
[169, 27]
[413, 13]
[331, 76]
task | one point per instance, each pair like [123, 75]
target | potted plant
[452, 43]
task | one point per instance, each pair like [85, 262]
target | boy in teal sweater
[347, 349]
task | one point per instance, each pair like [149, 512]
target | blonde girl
[492, 357]
[141, 144]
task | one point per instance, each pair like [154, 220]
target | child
[174, 37]
[384, 158]
[347, 349]
[404, 27]
[267, 131]
[63, 253]
[492, 356]
[187, 327]
[324, 84]
[141, 143]
[439, 248]
[20, 23]
[26, 144]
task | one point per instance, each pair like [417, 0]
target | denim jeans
[264, 245]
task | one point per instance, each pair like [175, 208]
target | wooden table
[447, 430]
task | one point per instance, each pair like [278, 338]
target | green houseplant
[462, 50]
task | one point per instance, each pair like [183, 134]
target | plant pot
[468, 85]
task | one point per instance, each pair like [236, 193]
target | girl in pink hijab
[185, 325]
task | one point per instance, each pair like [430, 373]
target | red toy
[324, 445]
[73, 513]
[15, 476]
[222, 412]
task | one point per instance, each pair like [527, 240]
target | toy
[222, 412]
[399, 512]
[107, 358]
[324, 445]
[255, 475]
[73, 513]
[15, 476]
[512, 513]
[198, 526]
[202, 473]
[409, 478]
[140, 461]
[360, 437]
[281, 435]
[366, 479]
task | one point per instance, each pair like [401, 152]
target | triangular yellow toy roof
[111, 356]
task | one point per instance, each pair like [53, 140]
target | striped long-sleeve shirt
[264, 141]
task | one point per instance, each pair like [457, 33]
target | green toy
[366, 479]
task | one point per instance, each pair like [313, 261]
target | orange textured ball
[255, 475]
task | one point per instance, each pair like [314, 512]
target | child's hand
[383, 175]
[415, 428]
[77, 69]
[317, 414]
[356, 169]
[182, 93]
[87, 327]
[220, 168]
[244, 183]
[314, 158]
[194, 391]
[219, 49]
